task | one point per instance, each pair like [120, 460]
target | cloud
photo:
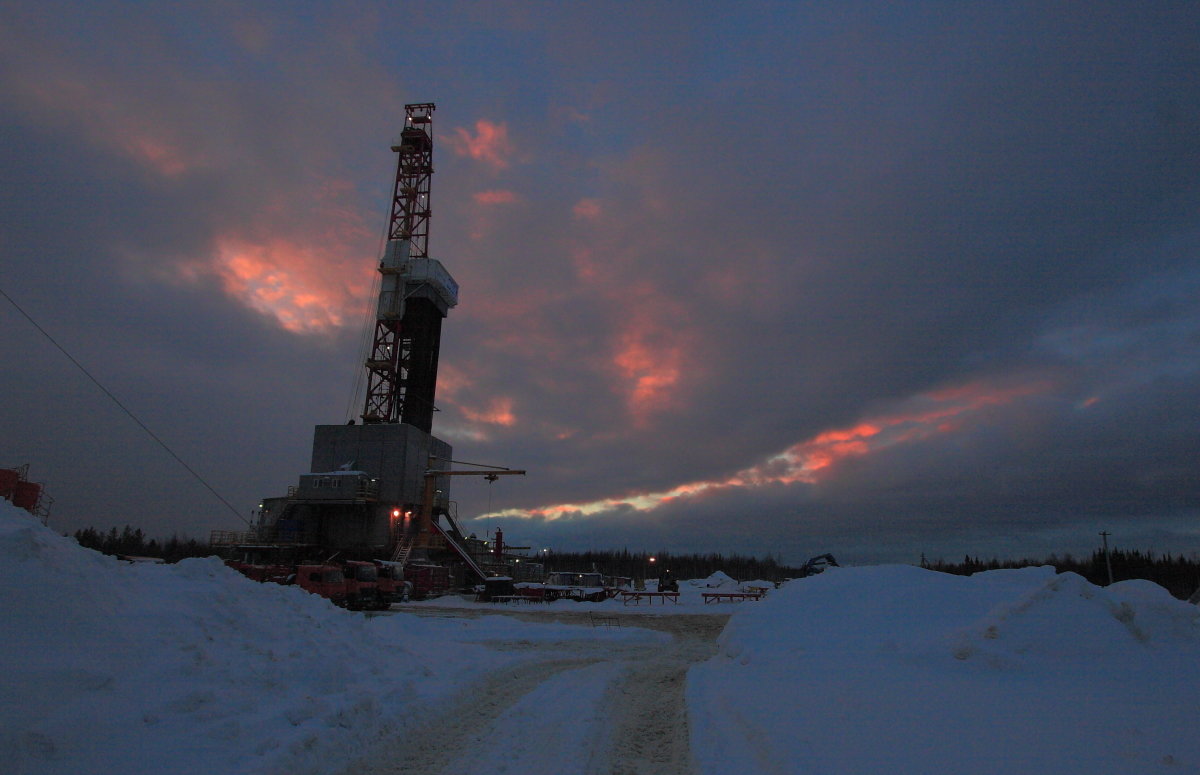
[55, 91]
[489, 144]
[798, 306]
[285, 280]
[499, 411]
[588, 209]
[495, 197]
[649, 365]
[942, 412]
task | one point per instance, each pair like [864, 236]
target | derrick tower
[366, 488]
[416, 292]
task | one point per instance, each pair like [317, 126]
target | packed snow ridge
[192, 668]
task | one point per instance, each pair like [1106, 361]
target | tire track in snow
[452, 732]
[590, 707]
[651, 735]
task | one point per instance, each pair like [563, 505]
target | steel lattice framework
[402, 366]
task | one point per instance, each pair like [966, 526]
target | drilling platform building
[371, 481]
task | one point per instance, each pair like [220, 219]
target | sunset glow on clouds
[111, 120]
[499, 411]
[495, 197]
[926, 416]
[800, 251]
[649, 373]
[286, 281]
[587, 209]
[489, 144]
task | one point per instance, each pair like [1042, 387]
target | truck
[362, 585]
[327, 581]
[392, 586]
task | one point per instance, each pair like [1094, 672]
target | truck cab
[362, 585]
[392, 587]
[328, 581]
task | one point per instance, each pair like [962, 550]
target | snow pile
[112, 667]
[718, 580]
[902, 670]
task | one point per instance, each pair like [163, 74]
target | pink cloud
[495, 197]
[813, 459]
[284, 280]
[499, 411]
[111, 121]
[489, 144]
[649, 371]
[587, 209]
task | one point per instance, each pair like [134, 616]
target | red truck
[427, 580]
[392, 586]
[362, 585]
[328, 581]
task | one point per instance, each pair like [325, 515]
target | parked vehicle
[392, 586]
[427, 580]
[328, 581]
[362, 585]
[278, 574]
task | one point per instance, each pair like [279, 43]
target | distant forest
[1178, 575]
[132, 542]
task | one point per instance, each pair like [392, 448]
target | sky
[875, 279]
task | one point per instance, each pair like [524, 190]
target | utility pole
[1107, 561]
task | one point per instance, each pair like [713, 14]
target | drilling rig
[378, 487]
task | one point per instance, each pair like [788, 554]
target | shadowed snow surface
[902, 670]
[191, 668]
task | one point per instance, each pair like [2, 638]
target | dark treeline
[133, 542]
[637, 565]
[1178, 575]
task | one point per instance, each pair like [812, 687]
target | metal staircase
[404, 546]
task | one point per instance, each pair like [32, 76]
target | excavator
[817, 565]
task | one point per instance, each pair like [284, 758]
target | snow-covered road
[581, 706]
[111, 668]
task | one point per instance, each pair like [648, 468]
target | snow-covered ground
[117, 668]
[896, 669]
[109, 667]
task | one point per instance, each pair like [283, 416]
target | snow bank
[718, 580]
[118, 668]
[903, 670]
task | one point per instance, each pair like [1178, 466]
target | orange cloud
[587, 209]
[164, 158]
[489, 144]
[499, 411]
[806, 461]
[651, 372]
[108, 119]
[495, 197]
[286, 281]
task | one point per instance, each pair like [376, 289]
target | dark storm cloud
[898, 279]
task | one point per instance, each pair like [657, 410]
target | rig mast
[416, 292]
